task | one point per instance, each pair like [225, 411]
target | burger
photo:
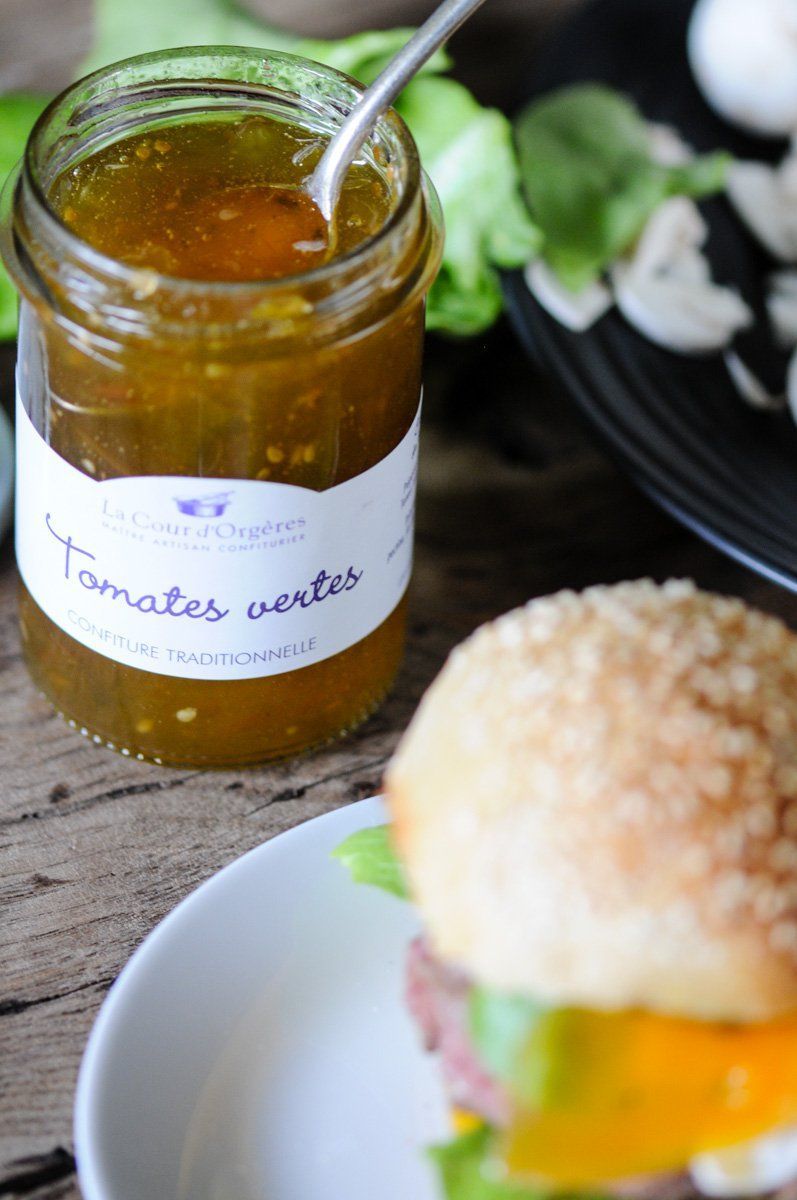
[595, 812]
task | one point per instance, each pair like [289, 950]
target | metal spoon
[326, 180]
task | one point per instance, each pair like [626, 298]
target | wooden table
[95, 849]
[515, 501]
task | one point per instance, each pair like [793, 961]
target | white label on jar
[213, 578]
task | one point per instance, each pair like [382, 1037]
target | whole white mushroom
[744, 57]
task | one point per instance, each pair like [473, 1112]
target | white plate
[256, 1046]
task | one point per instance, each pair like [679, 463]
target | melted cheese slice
[633, 1093]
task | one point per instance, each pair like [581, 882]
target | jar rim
[127, 274]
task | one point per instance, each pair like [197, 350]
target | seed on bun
[596, 805]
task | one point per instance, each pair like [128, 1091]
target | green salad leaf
[365, 55]
[124, 29]
[8, 306]
[590, 179]
[468, 1170]
[468, 153]
[505, 1030]
[369, 858]
[18, 113]
[541, 1055]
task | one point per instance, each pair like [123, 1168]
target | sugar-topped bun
[596, 804]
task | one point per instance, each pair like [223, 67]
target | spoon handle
[327, 178]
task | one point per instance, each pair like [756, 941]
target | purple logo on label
[204, 506]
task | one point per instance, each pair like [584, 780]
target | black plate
[676, 423]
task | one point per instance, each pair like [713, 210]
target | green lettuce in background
[591, 179]
[469, 155]
[17, 115]
[465, 148]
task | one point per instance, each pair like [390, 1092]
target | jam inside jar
[202, 364]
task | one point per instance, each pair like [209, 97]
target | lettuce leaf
[8, 306]
[509, 1035]
[365, 55]
[541, 1055]
[590, 180]
[369, 858]
[124, 29]
[468, 1172]
[18, 113]
[467, 151]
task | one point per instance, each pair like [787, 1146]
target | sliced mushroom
[766, 199]
[750, 387]
[672, 240]
[578, 311]
[666, 292]
[791, 386]
[782, 308]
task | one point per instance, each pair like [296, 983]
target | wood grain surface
[95, 849]
[515, 501]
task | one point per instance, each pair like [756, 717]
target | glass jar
[215, 480]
